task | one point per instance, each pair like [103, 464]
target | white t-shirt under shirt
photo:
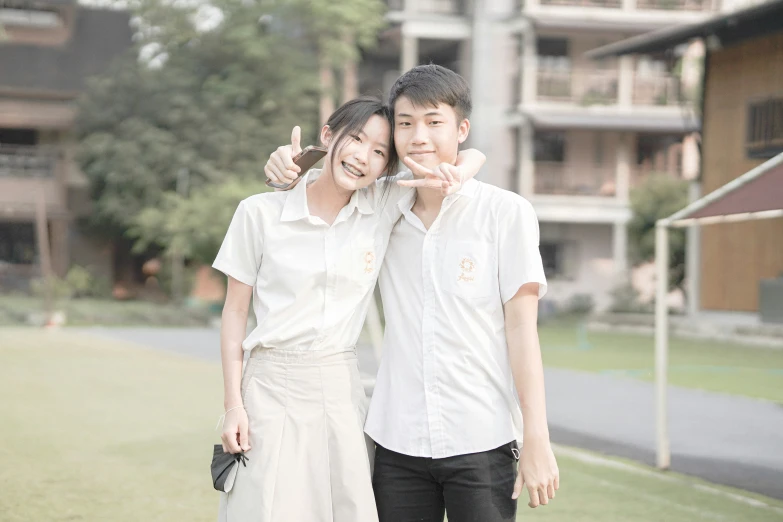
[311, 282]
[444, 386]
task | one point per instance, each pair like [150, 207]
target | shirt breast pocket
[364, 263]
[470, 270]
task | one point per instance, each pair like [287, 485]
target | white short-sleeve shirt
[311, 282]
[444, 386]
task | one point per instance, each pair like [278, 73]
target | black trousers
[469, 488]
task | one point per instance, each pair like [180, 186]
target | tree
[214, 100]
[193, 226]
[217, 106]
[659, 196]
[338, 30]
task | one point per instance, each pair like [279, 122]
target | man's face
[429, 135]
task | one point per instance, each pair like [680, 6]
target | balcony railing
[675, 5]
[656, 89]
[430, 6]
[614, 4]
[18, 161]
[584, 87]
[565, 179]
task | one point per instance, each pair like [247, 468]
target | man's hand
[444, 177]
[538, 471]
[235, 434]
[280, 168]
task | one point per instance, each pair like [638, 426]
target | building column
[481, 84]
[620, 248]
[529, 67]
[629, 5]
[625, 82]
[526, 174]
[410, 53]
[623, 168]
[59, 246]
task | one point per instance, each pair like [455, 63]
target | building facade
[571, 134]
[48, 49]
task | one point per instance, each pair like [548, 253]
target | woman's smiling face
[362, 157]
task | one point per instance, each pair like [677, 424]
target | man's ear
[463, 130]
[326, 136]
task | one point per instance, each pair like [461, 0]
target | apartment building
[48, 48]
[572, 135]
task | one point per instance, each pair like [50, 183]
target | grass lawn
[708, 365]
[97, 431]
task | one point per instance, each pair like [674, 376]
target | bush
[625, 299]
[580, 304]
[59, 287]
[658, 196]
[80, 280]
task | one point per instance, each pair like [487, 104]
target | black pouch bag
[224, 468]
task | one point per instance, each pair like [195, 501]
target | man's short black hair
[429, 85]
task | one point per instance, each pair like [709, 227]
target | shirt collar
[469, 188]
[295, 207]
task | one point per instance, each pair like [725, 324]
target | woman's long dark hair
[351, 118]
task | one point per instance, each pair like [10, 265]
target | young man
[467, 269]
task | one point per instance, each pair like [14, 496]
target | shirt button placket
[429, 254]
[330, 290]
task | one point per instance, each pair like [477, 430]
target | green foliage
[658, 197]
[221, 102]
[213, 102]
[59, 288]
[579, 304]
[194, 226]
[626, 299]
[77, 283]
[79, 280]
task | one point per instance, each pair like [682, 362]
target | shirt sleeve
[240, 253]
[519, 258]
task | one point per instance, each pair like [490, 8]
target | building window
[765, 128]
[552, 256]
[18, 136]
[17, 243]
[549, 146]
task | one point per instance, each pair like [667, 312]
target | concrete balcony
[562, 179]
[26, 172]
[607, 99]
[18, 161]
[676, 5]
[658, 90]
[617, 4]
[438, 7]
[581, 87]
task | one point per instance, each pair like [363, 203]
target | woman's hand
[280, 168]
[235, 434]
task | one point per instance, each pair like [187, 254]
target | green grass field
[751, 371]
[109, 432]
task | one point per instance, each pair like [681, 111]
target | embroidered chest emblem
[369, 262]
[467, 267]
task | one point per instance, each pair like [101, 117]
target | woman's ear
[326, 136]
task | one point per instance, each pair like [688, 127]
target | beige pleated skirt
[309, 458]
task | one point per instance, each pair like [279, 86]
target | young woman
[310, 259]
